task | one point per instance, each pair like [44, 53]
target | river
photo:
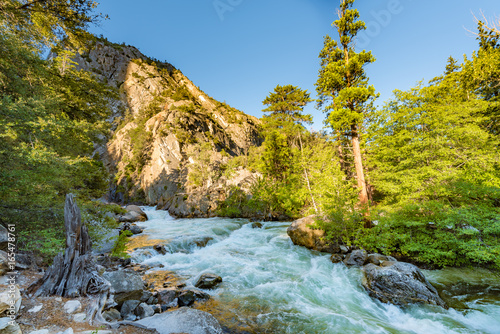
[272, 286]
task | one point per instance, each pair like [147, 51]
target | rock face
[183, 320]
[6, 300]
[9, 327]
[172, 138]
[400, 283]
[302, 235]
[126, 284]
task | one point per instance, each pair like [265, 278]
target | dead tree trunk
[74, 274]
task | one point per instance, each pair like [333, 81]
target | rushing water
[273, 286]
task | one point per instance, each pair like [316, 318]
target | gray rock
[126, 284]
[356, 258]
[400, 283]
[7, 326]
[135, 229]
[111, 315]
[72, 306]
[4, 238]
[145, 296]
[168, 297]
[183, 320]
[128, 308]
[144, 311]
[41, 331]
[136, 209]
[344, 249]
[189, 296]
[336, 258]
[377, 259]
[131, 217]
[6, 299]
[4, 263]
[35, 309]
[80, 317]
[208, 281]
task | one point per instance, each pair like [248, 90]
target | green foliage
[201, 170]
[342, 84]
[119, 250]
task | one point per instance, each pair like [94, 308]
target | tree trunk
[360, 175]
[306, 175]
[74, 274]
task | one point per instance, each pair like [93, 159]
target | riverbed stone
[111, 315]
[183, 320]
[378, 259]
[143, 311]
[301, 234]
[135, 229]
[208, 281]
[356, 258]
[401, 284]
[80, 317]
[168, 297]
[126, 284]
[137, 209]
[6, 299]
[128, 308]
[72, 306]
[7, 326]
[4, 263]
[189, 296]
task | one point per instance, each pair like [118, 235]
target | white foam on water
[298, 291]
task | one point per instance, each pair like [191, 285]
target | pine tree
[343, 86]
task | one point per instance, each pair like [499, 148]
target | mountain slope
[171, 141]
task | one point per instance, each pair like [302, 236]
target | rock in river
[401, 284]
[183, 320]
[303, 235]
[208, 281]
[126, 284]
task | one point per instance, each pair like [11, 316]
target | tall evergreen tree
[343, 86]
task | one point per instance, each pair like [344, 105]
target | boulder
[357, 257]
[4, 263]
[168, 297]
[302, 235]
[183, 320]
[6, 300]
[378, 259]
[189, 296]
[208, 281]
[144, 311]
[126, 285]
[131, 217]
[128, 309]
[111, 315]
[41, 331]
[401, 284]
[136, 209]
[135, 229]
[7, 326]
[67, 331]
[72, 306]
[4, 238]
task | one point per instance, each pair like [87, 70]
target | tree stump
[74, 274]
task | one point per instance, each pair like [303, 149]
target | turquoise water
[273, 286]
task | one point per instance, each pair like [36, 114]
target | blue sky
[238, 50]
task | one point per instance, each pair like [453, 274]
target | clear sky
[238, 50]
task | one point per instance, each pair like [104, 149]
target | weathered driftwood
[74, 274]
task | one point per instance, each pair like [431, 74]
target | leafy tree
[343, 86]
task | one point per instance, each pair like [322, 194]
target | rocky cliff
[171, 141]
